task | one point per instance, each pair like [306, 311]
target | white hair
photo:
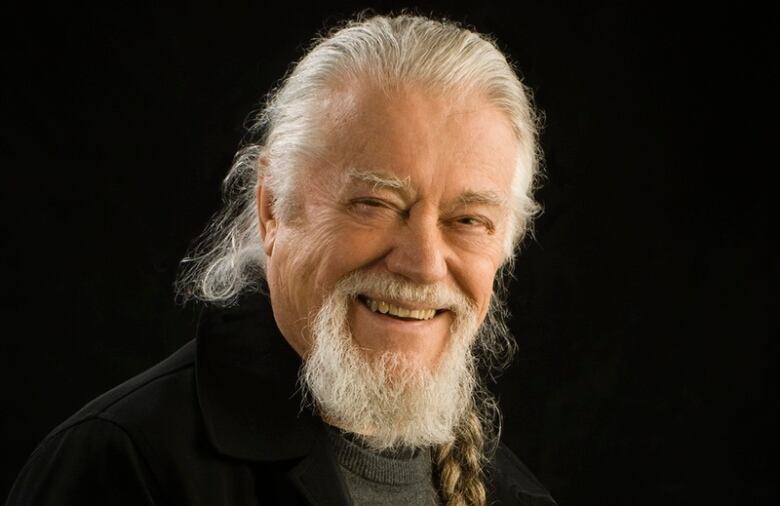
[228, 258]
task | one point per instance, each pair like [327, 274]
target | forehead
[444, 141]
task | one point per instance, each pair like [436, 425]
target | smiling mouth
[402, 313]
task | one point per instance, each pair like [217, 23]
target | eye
[373, 207]
[469, 220]
[475, 223]
[369, 202]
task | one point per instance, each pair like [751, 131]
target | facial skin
[412, 182]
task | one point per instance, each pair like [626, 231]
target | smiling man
[386, 187]
[397, 257]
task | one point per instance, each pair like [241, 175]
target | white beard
[390, 400]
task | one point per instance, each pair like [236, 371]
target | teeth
[387, 308]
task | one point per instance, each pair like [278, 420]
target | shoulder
[90, 462]
[112, 444]
[514, 483]
[149, 396]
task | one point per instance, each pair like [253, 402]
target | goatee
[389, 399]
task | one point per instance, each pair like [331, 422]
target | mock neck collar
[246, 376]
[393, 467]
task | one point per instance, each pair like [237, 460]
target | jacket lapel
[246, 376]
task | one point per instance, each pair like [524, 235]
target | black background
[646, 372]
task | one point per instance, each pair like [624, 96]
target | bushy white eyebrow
[379, 180]
[487, 198]
[384, 181]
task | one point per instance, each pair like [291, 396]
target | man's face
[412, 183]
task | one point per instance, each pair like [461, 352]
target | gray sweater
[400, 477]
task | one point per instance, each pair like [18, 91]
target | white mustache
[386, 285]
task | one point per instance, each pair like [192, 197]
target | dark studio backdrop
[645, 372]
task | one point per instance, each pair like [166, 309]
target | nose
[419, 250]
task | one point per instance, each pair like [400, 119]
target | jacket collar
[246, 376]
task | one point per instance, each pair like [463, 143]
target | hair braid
[460, 465]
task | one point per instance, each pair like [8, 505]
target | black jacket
[217, 423]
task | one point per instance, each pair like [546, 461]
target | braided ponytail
[460, 465]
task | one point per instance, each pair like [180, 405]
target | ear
[265, 214]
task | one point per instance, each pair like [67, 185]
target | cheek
[344, 247]
[481, 275]
[321, 252]
[294, 270]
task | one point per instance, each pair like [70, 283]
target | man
[387, 185]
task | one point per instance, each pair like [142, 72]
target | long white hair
[228, 259]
